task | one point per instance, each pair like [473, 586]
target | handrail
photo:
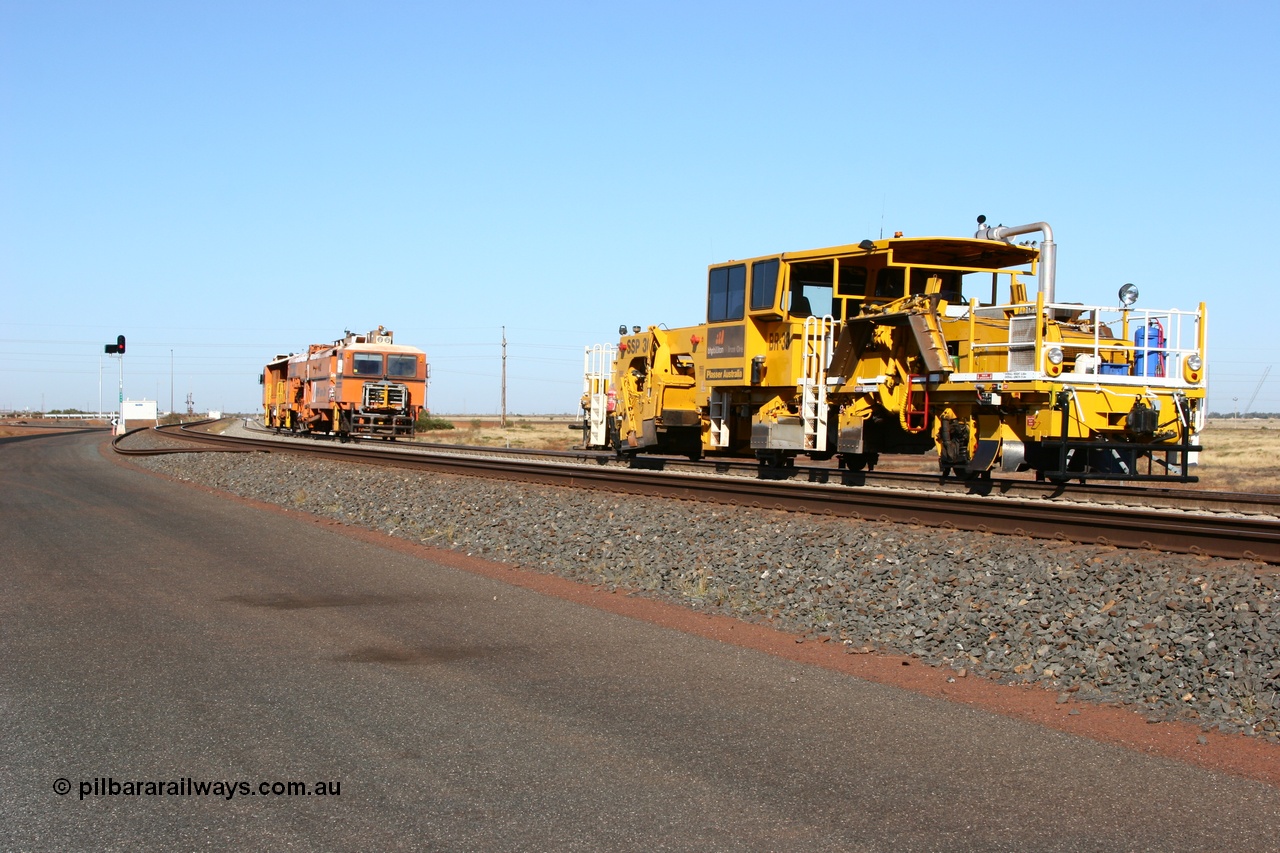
[1153, 344]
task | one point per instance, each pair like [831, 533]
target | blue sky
[224, 181]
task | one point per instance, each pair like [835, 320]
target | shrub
[427, 422]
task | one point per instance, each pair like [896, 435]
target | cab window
[853, 281]
[366, 364]
[950, 289]
[764, 284]
[890, 283]
[851, 287]
[726, 293]
[811, 285]
[403, 366]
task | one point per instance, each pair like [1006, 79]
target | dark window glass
[951, 288]
[853, 281]
[764, 284]
[366, 364]
[890, 283]
[405, 366]
[726, 293]
[737, 292]
[717, 298]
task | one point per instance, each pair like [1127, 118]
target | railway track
[1140, 497]
[1213, 524]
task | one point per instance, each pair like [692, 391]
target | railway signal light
[117, 348]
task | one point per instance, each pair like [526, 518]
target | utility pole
[1256, 389]
[504, 377]
[171, 382]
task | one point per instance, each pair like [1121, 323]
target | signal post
[118, 349]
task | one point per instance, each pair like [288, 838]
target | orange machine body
[363, 386]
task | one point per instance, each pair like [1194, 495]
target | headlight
[1191, 368]
[1054, 355]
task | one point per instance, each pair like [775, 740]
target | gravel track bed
[679, 466]
[1178, 637]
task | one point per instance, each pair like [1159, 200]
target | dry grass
[32, 425]
[533, 433]
[1240, 456]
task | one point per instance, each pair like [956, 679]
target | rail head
[1120, 526]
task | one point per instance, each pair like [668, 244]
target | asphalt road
[154, 633]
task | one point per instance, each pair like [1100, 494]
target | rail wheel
[775, 459]
[859, 461]
[620, 448]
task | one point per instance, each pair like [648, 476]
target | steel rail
[175, 432]
[1129, 527]
[1141, 497]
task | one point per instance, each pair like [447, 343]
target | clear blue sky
[224, 181]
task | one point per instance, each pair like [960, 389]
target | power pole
[1256, 389]
[504, 377]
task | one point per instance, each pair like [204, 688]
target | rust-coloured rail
[1176, 531]
[1137, 496]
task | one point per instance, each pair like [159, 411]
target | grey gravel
[1177, 637]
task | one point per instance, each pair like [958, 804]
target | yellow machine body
[911, 345]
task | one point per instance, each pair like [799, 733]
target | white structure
[137, 410]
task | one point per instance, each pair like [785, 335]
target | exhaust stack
[1048, 251]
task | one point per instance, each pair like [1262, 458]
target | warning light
[117, 348]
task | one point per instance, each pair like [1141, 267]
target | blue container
[1108, 369]
[1148, 362]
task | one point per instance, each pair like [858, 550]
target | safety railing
[597, 371]
[818, 347]
[1109, 344]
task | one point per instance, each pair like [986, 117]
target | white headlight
[1054, 355]
[1193, 361]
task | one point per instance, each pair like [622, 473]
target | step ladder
[597, 372]
[818, 346]
[719, 419]
[915, 419]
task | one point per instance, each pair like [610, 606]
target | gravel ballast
[1180, 637]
